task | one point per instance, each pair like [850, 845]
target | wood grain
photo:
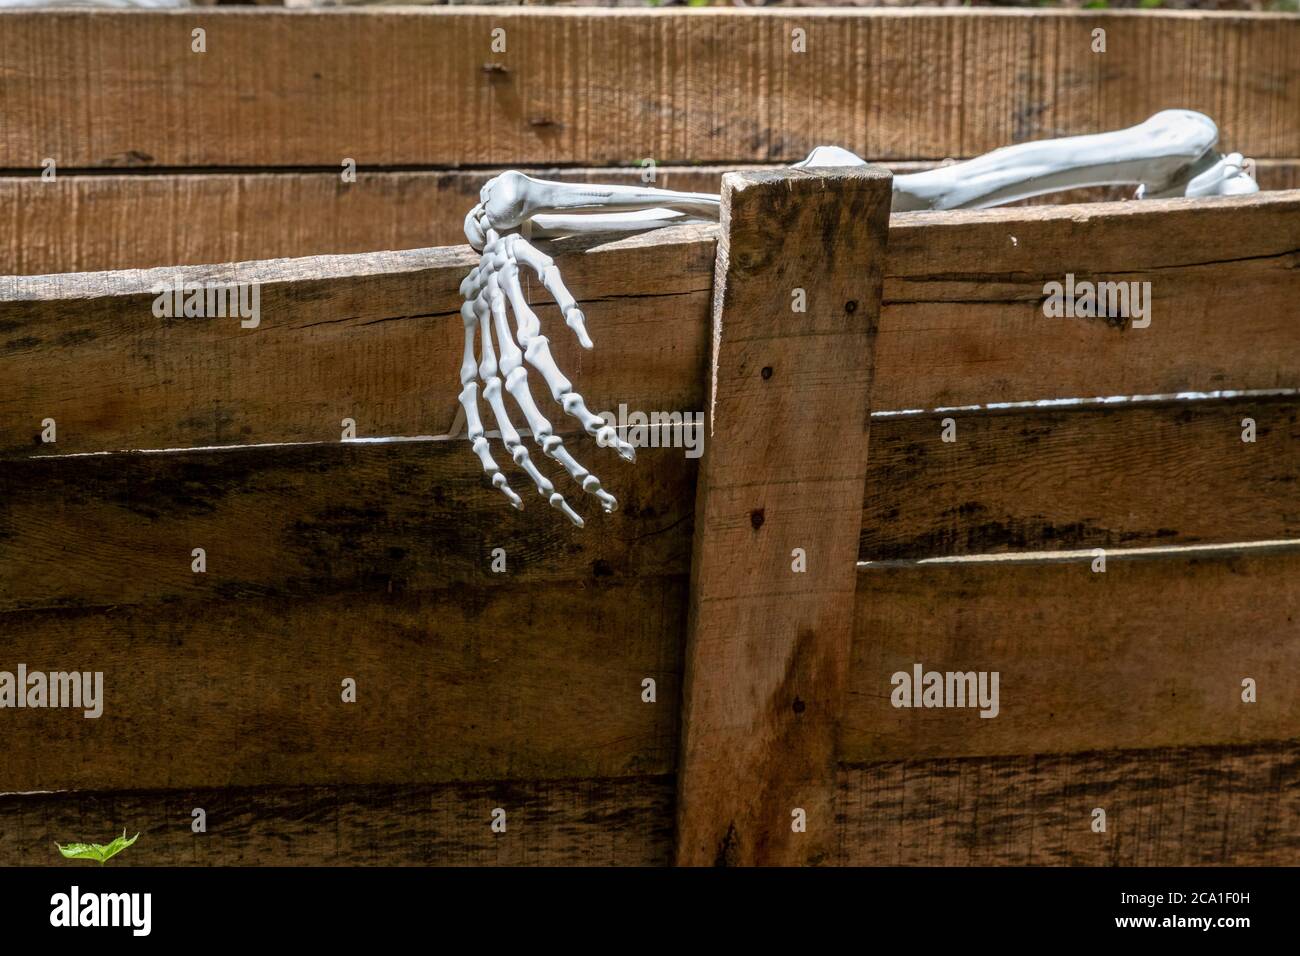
[963, 321]
[534, 681]
[376, 338]
[1045, 479]
[144, 220]
[423, 87]
[595, 822]
[418, 516]
[1150, 653]
[767, 651]
[140, 220]
[1199, 806]
[297, 521]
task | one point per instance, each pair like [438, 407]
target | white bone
[552, 227]
[492, 391]
[469, 402]
[1161, 154]
[1227, 177]
[516, 377]
[824, 156]
[1154, 153]
[1170, 154]
[537, 352]
[518, 249]
[512, 197]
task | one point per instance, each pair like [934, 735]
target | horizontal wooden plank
[614, 822]
[1031, 479]
[272, 522]
[528, 682]
[1150, 653]
[140, 220]
[961, 324]
[296, 521]
[424, 87]
[1169, 807]
[376, 338]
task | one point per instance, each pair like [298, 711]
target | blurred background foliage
[1283, 6]
[1286, 6]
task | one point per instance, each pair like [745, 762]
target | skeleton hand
[492, 291]
[486, 290]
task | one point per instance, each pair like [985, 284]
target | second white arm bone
[1162, 154]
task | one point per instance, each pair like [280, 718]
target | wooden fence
[526, 690]
[170, 157]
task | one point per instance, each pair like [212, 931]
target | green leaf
[97, 851]
[82, 851]
[118, 845]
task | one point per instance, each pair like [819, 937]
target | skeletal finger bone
[519, 249]
[516, 383]
[492, 392]
[469, 402]
[537, 352]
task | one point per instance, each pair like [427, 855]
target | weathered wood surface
[140, 220]
[417, 516]
[376, 338]
[767, 649]
[536, 681]
[609, 822]
[961, 324]
[1150, 653]
[1167, 807]
[298, 521]
[423, 87]
[144, 220]
[1050, 479]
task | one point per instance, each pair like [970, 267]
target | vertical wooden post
[782, 476]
